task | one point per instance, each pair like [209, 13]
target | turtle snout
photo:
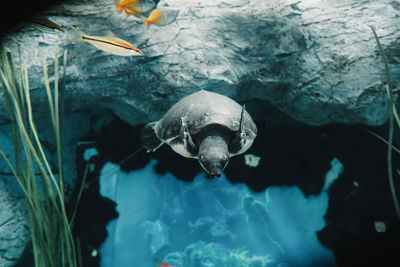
[213, 163]
[215, 170]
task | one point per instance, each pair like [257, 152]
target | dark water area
[21, 12]
[299, 156]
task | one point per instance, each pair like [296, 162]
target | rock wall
[316, 61]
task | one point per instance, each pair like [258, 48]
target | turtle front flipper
[148, 137]
[239, 141]
[186, 137]
[183, 143]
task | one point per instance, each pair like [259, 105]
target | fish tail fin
[75, 35]
[118, 5]
[147, 23]
[119, 8]
[129, 12]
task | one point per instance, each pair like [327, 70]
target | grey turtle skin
[206, 126]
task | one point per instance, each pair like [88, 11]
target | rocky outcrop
[14, 226]
[315, 61]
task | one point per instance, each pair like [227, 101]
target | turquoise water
[211, 222]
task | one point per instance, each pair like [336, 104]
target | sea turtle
[206, 126]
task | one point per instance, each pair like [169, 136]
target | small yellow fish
[161, 16]
[109, 43]
[135, 7]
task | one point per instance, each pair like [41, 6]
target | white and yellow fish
[110, 43]
[161, 16]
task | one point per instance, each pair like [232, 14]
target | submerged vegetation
[43, 188]
[392, 115]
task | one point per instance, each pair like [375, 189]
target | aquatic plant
[43, 188]
[392, 114]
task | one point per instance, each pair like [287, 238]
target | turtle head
[213, 155]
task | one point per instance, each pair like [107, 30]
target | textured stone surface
[14, 229]
[316, 61]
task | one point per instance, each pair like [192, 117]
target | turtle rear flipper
[148, 137]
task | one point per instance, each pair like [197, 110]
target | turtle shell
[199, 110]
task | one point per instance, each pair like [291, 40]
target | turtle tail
[149, 139]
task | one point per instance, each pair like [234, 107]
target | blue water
[211, 222]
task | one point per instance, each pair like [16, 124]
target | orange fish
[162, 264]
[161, 16]
[135, 7]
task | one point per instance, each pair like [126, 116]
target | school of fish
[146, 10]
